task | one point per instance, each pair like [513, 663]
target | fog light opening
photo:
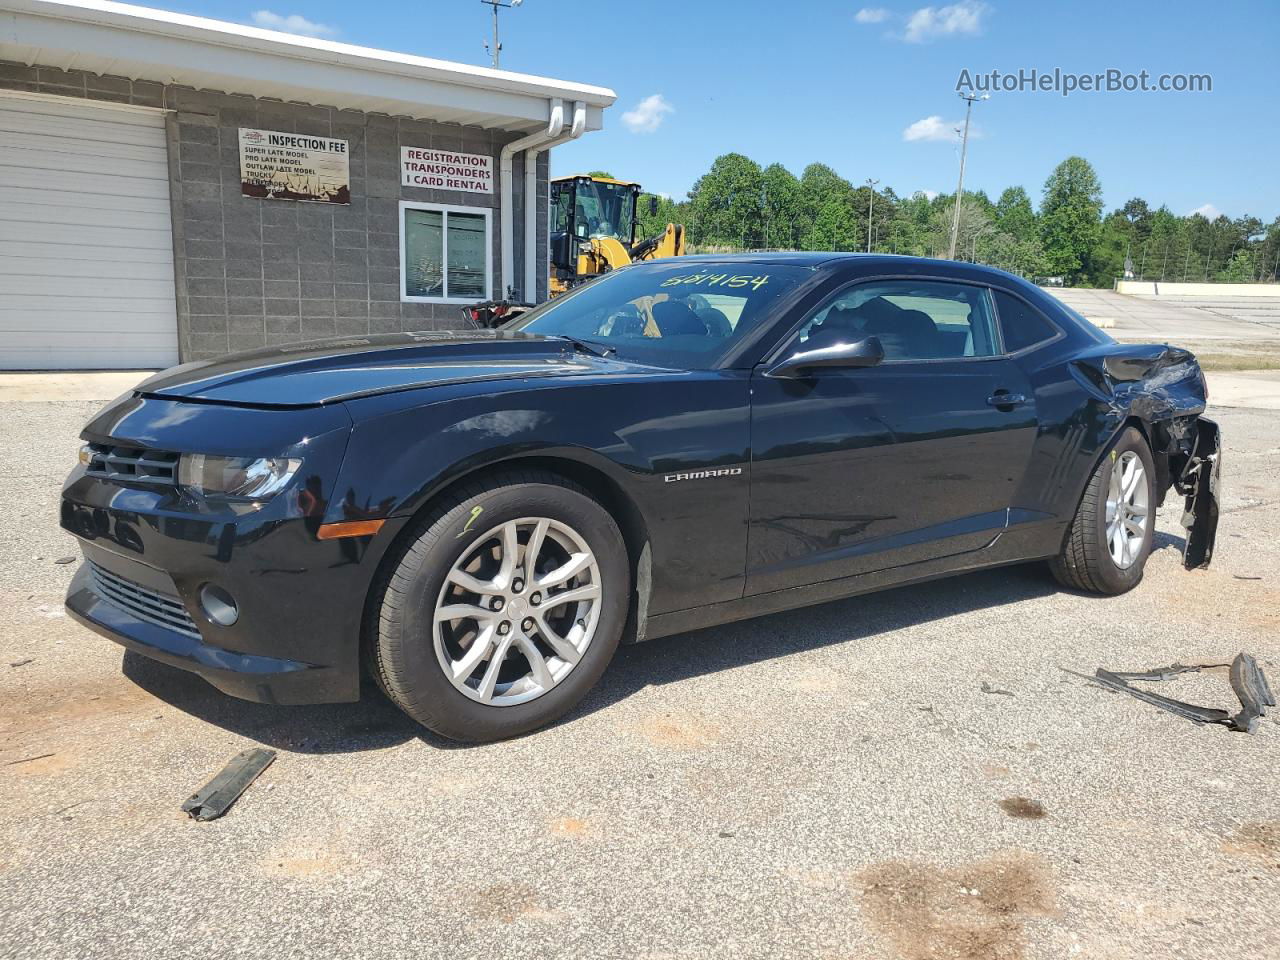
[219, 606]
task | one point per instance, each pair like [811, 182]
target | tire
[411, 651]
[1088, 560]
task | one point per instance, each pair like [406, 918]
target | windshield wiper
[596, 350]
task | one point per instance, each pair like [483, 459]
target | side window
[914, 320]
[1022, 325]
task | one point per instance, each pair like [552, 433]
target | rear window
[1022, 325]
[669, 313]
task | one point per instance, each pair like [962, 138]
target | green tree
[1242, 268]
[909, 228]
[1071, 217]
[1269, 254]
[780, 207]
[1106, 260]
[652, 224]
[819, 185]
[1014, 215]
[1138, 215]
[725, 203]
[834, 228]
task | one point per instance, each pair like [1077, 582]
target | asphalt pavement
[1165, 318]
[919, 773]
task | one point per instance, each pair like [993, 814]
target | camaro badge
[703, 474]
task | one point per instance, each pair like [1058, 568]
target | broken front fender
[1198, 482]
[1164, 387]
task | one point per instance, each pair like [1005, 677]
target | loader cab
[583, 208]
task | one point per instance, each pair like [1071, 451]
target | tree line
[739, 205]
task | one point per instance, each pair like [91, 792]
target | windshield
[668, 313]
[604, 210]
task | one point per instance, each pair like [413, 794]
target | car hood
[326, 371]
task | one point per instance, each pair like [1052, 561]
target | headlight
[235, 478]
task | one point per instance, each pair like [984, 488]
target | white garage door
[86, 245]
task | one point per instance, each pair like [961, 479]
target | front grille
[152, 467]
[142, 602]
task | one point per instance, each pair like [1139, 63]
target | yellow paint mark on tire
[475, 515]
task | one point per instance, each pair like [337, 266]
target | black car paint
[939, 479]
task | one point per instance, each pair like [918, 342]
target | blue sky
[869, 88]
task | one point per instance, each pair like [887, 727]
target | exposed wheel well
[1158, 443]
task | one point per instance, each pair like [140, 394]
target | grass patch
[1224, 362]
[1228, 356]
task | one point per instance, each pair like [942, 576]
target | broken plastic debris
[216, 797]
[1247, 680]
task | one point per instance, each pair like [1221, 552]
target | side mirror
[653, 205]
[866, 352]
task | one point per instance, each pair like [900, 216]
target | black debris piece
[63, 561]
[988, 688]
[22, 663]
[216, 797]
[1247, 680]
[1250, 685]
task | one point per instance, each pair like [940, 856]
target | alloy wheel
[1127, 510]
[517, 611]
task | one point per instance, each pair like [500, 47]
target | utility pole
[964, 147]
[871, 203]
[497, 45]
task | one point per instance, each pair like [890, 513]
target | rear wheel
[504, 610]
[1110, 538]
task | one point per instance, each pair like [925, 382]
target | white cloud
[293, 23]
[931, 128]
[929, 23]
[647, 115]
[929, 194]
[1206, 210]
[871, 15]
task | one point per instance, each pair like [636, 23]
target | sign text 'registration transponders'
[294, 166]
[446, 170]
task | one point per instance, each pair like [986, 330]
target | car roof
[871, 261]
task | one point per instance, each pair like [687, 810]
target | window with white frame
[445, 253]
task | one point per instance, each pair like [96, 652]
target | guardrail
[1150, 288]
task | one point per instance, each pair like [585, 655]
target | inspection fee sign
[275, 165]
[446, 170]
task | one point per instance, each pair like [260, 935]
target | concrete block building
[174, 188]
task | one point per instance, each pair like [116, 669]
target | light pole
[871, 202]
[964, 147]
[497, 45]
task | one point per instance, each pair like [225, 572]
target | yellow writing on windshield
[718, 280]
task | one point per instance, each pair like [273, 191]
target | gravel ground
[832, 782]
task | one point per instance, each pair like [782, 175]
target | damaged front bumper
[1198, 482]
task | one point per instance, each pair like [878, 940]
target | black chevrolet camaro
[477, 519]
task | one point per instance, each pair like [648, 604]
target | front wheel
[504, 609]
[1110, 537]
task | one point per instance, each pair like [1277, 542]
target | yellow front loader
[593, 230]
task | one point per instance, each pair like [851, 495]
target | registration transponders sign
[446, 170]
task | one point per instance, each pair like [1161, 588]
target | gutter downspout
[506, 215]
[530, 288]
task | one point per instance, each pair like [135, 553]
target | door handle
[1004, 399]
